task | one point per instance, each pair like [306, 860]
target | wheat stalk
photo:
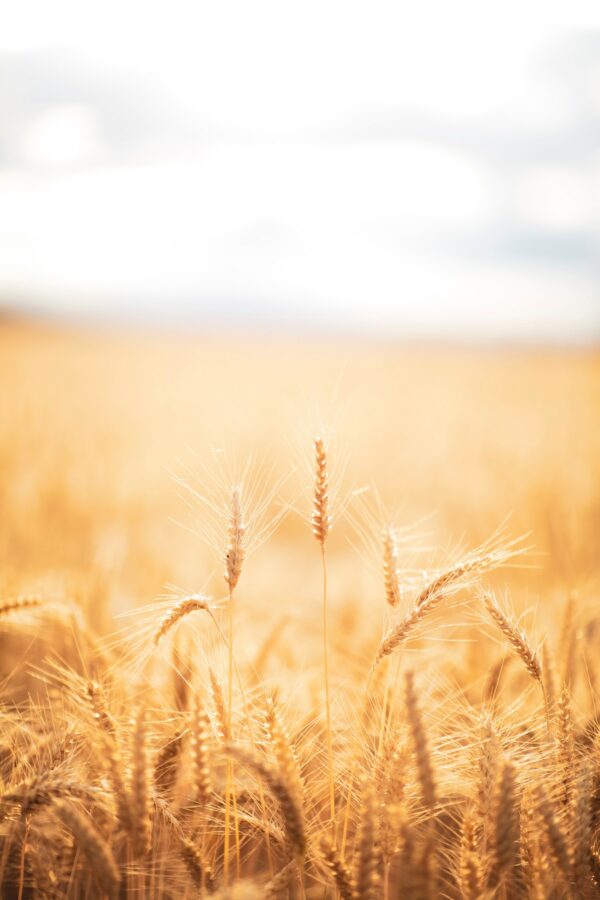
[321, 523]
[234, 558]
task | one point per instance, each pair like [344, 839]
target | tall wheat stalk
[321, 523]
[234, 558]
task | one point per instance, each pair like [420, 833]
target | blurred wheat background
[96, 426]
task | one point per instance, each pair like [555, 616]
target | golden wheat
[352, 780]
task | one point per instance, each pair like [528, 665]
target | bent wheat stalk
[442, 586]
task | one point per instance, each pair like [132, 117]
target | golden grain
[116, 759]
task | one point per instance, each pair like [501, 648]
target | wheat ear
[366, 863]
[39, 791]
[555, 837]
[321, 521]
[488, 771]
[582, 828]
[425, 771]
[180, 609]
[19, 604]
[166, 763]
[516, 637]
[94, 695]
[451, 579]
[291, 809]
[390, 567]
[140, 795]
[470, 874]
[399, 633]
[444, 585]
[339, 872]
[280, 882]
[98, 853]
[200, 734]
[182, 672]
[199, 870]
[279, 739]
[236, 546]
[565, 743]
[505, 827]
[223, 728]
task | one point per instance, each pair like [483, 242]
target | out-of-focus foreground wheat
[348, 674]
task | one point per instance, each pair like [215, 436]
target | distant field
[448, 445]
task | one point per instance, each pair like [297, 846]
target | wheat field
[297, 618]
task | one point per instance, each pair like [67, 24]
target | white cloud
[554, 198]
[63, 135]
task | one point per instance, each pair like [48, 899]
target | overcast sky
[423, 168]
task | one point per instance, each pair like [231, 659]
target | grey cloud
[128, 117]
[569, 67]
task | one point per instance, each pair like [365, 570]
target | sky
[427, 169]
